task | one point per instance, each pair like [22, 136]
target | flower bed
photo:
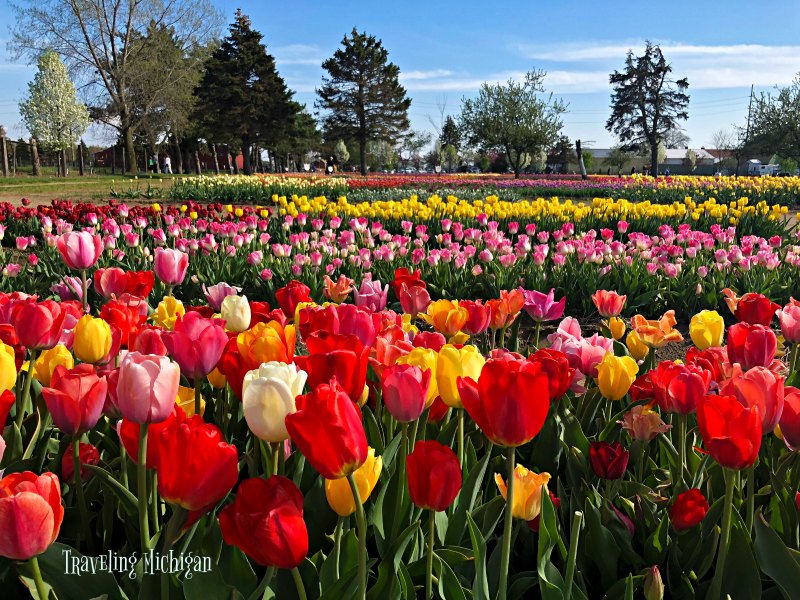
[636, 188]
[326, 446]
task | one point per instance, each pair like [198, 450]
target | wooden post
[36, 165]
[4, 152]
[14, 158]
[81, 149]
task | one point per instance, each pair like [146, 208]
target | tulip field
[360, 394]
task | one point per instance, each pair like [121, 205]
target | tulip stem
[123, 465]
[197, 398]
[277, 448]
[538, 330]
[429, 562]
[401, 477]
[361, 522]
[41, 590]
[78, 483]
[751, 497]
[153, 495]
[727, 510]
[337, 544]
[26, 391]
[506, 552]
[298, 582]
[85, 291]
[141, 483]
[574, 537]
[681, 442]
[460, 412]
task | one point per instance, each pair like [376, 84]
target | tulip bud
[707, 329]
[236, 313]
[528, 488]
[615, 375]
[636, 347]
[338, 492]
[47, 362]
[453, 363]
[268, 395]
[617, 327]
[653, 585]
[92, 339]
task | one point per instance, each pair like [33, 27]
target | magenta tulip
[543, 307]
[405, 389]
[196, 344]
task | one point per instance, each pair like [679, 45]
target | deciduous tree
[775, 127]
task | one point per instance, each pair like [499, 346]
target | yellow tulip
[338, 492]
[617, 327]
[8, 367]
[167, 312]
[528, 489]
[707, 329]
[217, 379]
[636, 347]
[185, 400]
[453, 363]
[446, 317]
[424, 358]
[615, 375]
[49, 360]
[92, 339]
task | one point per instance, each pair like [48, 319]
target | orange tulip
[267, 342]
[446, 317]
[505, 309]
[655, 334]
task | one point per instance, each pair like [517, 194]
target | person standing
[167, 164]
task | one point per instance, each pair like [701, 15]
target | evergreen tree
[450, 134]
[51, 110]
[362, 95]
[646, 103]
[241, 98]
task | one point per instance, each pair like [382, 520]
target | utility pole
[749, 110]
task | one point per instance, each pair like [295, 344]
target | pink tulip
[75, 398]
[591, 352]
[757, 387]
[608, 303]
[110, 282]
[80, 249]
[543, 307]
[215, 294]
[170, 265]
[789, 318]
[196, 344]
[414, 299]
[371, 295]
[405, 389]
[147, 386]
[149, 341]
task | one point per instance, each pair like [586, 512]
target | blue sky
[445, 50]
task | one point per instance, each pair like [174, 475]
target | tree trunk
[178, 155]
[13, 159]
[81, 149]
[36, 165]
[197, 162]
[64, 162]
[579, 152]
[362, 154]
[654, 158]
[4, 153]
[130, 150]
[216, 159]
[246, 167]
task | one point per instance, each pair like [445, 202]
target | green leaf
[655, 548]
[480, 585]
[373, 430]
[551, 585]
[126, 499]
[348, 559]
[207, 585]
[449, 585]
[775, 559]
[742, 578]
[466, 501]
[387, 570]
[237, 570]
[67, 584]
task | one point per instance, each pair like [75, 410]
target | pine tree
[362, 94]
[51, 110]
[241, 98]
[646, 103]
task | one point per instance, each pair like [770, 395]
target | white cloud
[298, 54]
[422, 75]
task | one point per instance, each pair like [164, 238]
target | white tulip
[268, 395]
[236, 312]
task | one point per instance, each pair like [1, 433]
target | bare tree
[100, 41]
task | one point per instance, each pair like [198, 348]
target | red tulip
[39, 324]
[403, 276]
[757, 387]
[196, 468]
[642, 389]
[265, 521]
[437, 410]
[713, 360]
[790, 418]
[434, 475]
[678, 388]
[89, 455]
[688, 510]
[609, 460]
[413, 300]
[139, 283]
[196, 344]
[128, 433]
[75, 398]
[292, 294]
[80, 249]
[731, 433]
[30, 514]
[147, 340]
[755, 309]
[260, 313]
[405, 389]
[509, 402]
[751, 345]
[110, 282]
[125, 317]
[433, 340]
[341, 356]
[344, 319]
[559, 373]
[7, 400]
[479, 316]
[8, 335]
[328, 431]
[608, 303]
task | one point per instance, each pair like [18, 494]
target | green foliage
[361, 94]
[513, 118]
[776, 122]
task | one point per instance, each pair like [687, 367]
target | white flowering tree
[51, 109]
